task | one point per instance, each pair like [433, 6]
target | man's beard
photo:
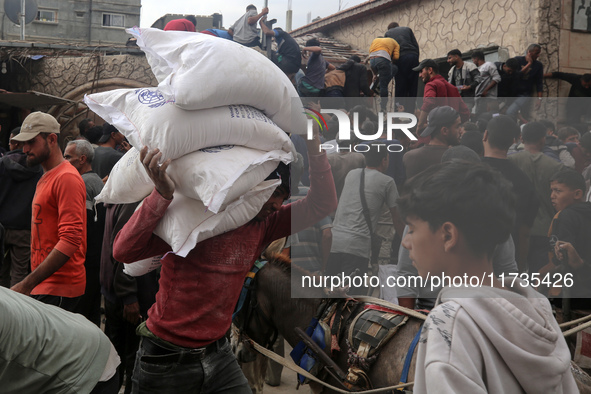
[32, 161]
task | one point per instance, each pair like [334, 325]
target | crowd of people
[486, 187]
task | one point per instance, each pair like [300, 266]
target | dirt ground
[288, 381]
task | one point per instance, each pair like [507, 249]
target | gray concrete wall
[79, 21]
[442, 25]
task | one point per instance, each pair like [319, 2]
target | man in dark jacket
[580, 90]
[529, 79]
[288, 56]
[127, 298]
[17, 188]
[407, 80]
[508, 71]
[355, 78]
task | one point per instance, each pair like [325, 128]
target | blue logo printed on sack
[151, 98]
[217, 149]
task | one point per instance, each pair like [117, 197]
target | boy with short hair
[539, 168]
[569, 135]
[571, 227]
[244, 31]
[484, 337]
[312, 84]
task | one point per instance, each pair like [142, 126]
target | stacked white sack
[189, 68]
[212, 196]
[216, 176]
[147, 119]
[187, 221]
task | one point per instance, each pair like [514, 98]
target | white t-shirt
[243, 32]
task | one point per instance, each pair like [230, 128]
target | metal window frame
[112, 14]
[49, 10]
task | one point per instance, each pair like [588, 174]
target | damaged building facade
[54, 79]
[501, 28]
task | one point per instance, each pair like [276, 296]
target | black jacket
[355, 79]
[579, 105]
[573, 224]
[17, 188]
[117, 286]
[405, 38]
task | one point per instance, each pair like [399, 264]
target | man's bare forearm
[53, 262]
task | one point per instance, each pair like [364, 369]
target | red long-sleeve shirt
[439, 92]
[198, 293]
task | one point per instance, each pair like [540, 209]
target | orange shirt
[386, 44]
[59, 222]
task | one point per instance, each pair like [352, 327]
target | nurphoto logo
[393, 122]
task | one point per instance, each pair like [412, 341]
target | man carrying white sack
[184, 348]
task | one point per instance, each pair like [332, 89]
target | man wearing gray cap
[438, 92]
[58, 227]
[443, 128]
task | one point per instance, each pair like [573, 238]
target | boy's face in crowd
[563, 196]
[272, 205]
[425, 246]
[461, 131]
[572, 138]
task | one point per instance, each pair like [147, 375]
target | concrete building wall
[73, 77]
[61, 75]
[77, 21]
[442, 25]
[203, 21]
[575, 46]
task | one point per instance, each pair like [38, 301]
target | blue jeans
[386, 70]
[216, 372]
[518, 104]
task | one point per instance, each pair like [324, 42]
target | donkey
[277, 308]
